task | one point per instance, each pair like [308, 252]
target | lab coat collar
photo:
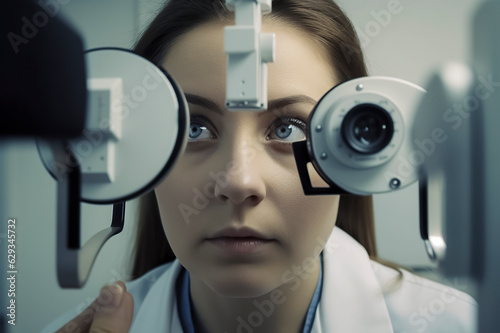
[158, 311]
[352, 299]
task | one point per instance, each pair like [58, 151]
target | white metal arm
[249, 50]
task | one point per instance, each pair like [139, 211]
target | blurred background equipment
[460, 179]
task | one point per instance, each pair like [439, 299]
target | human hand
[112, 312]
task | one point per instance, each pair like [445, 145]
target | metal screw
[323, 156]
[359, 87]
[319, 128]
[395, 183]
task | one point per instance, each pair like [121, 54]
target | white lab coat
[358, 296]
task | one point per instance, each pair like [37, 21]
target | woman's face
[238, 171]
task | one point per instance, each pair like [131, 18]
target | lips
[242, 241]
[244, 232]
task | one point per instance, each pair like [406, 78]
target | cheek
[312, 217]
[316, 180]
[310, 224]
[187, 189]
[308, 220]
[182, 198]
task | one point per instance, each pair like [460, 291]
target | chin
[245, 285]
[241, 290]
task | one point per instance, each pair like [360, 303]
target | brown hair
[325, 22]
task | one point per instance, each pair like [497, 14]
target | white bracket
[95, 151]
[248, 52]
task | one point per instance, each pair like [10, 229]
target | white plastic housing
[137, 125]
[248, 52]
[357, 173]
[103, 128]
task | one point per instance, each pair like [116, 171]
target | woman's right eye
[199, 130]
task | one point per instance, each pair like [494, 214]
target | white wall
[423, 35]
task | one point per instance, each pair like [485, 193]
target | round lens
[367, 129]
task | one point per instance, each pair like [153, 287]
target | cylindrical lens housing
[367, 129]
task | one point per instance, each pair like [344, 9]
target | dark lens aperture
[367, 129]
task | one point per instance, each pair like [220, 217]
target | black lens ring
[360, 112]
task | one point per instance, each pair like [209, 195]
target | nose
[242, 180]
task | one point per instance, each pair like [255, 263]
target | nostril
[254, 199]
[222, 197]
[239, 197]
[242, 188]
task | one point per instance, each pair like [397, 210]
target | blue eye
[199, 131]
[288, 129]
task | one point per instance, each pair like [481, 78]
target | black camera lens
[367, 128]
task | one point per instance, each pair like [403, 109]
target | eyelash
[287, 121]
[203, 121]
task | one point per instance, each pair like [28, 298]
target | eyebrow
[273, 104]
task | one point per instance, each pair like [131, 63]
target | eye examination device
[132, 104]
[248, 52]
[358, 137]
[459, 179]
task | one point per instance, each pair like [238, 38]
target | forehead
[198, 63]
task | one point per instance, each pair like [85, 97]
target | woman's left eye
[288, 129]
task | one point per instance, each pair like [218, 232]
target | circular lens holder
[358, 137]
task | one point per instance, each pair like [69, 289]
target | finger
[116, 311]
[122, 284]
[82, 322]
